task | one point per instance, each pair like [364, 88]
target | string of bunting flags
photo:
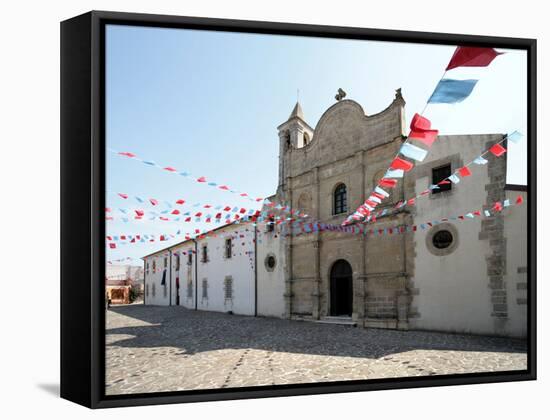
[306, 228]
[200, 179]
[422, 135]
[496, 150]
[179, 212]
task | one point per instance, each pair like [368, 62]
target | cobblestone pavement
[151, 349]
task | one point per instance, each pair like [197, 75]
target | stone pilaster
[492, 229]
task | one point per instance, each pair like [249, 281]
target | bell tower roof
[297, 112]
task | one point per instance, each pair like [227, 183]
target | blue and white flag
[487, 213]
[454, 179]
[515, 137]
[413, 152]
[394, 173]
[451, 91]
[480, 160]
[381, 192]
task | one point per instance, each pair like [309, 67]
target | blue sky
[209, 103]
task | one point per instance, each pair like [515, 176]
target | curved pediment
[345, 129]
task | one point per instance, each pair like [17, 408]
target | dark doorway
[341, 289]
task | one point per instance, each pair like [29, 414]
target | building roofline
[193, 239]
[515, 187]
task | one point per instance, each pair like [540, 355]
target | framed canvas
[257, 209]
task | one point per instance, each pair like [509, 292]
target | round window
[270, 262]
[442, 239]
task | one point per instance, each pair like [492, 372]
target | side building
[219, 272]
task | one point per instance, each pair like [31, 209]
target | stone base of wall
[381, 323]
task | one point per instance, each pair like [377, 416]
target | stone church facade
[398, 281]
[466, 276]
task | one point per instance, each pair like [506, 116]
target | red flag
[444, 182]
[162, 238]
[109, 238]
[410, 202]
[223, 187]
[165, 219]
[519, 200]
[127, 154]
[180, 201]
[139, 212]
[497, 206]
[399, 163]
[175, 211]
[472, 57]
[242, 210]
[497, 150]
[378, 195]
[153, 201]
[207, 206]
[425, 136]
[421, 130]
[388, 182]
[218, 215]
[112, 245]
[123, 237]
[477, 213]
[170, 169]
[187, 219]
[370, 203]
[198, 214]
[201, 179]
[464, 171]
[227, 208]
[122, 195]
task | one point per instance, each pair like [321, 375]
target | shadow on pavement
[201, 331]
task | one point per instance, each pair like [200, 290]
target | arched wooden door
[341, 289]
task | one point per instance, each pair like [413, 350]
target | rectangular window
[270, 224]
[190, 258]
[147, 290]
[205, 253]
[154, 266]
[147, 268]
[439, 174]
[165, 262]
[228, 248]
[204, 288]
[189, 289]
[228, 288]
[154, 291]
[165, 290]
[177, 262]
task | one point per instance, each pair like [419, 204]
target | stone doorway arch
[341, 289]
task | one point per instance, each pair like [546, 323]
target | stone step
[337, 320]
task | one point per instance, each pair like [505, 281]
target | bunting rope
[306, 228]
[179, 210]
[186, 174]
[497, 150]
[447, 91]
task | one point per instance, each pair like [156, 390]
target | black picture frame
[83, 202]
